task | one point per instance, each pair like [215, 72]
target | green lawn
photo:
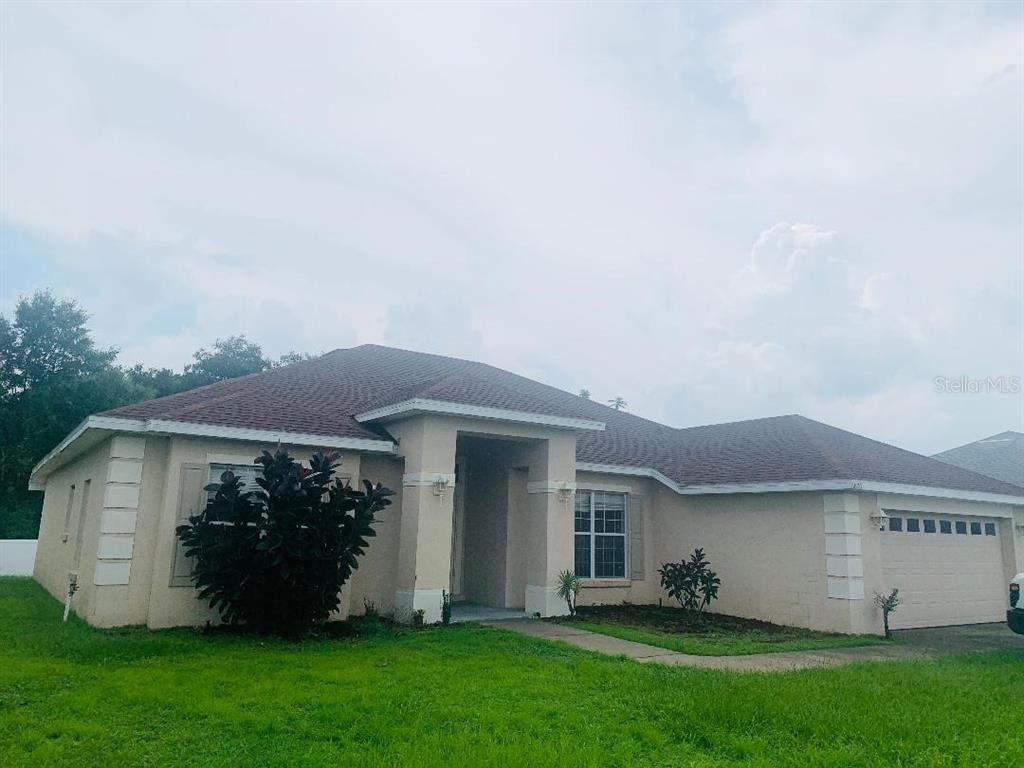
[713, 635]
[71, 695]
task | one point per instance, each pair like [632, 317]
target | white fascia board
[419, 405]
[166, 427]
[868, 486]
[941, 493]
[618, 469]
[163, 426]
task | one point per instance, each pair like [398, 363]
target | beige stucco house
[504, 482]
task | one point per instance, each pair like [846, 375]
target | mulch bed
[676, 620]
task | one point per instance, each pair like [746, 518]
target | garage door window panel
[945, 526]
[975, 529]
[895, 523]
[990, 529]
[929, 526]
[961, 527]
[913, 525]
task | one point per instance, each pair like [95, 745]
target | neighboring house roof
[348, 395]
[1000, 456]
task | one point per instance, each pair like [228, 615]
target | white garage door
[949, 570]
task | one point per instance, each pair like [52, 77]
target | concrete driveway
[970, 637]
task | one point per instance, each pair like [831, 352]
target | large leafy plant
[691, 582]
[275, 559]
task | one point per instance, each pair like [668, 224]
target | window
[600, 544]
[945, 526]
[929, 526]
[913, 525]
[67, 512]
[895, 523]
[248, 473]
[975, 529]
[80, 535]
[990, 529]
[961, 526]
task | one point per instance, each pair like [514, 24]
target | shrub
[691, 582]
[446, 607]
[275, 559]
[569, 586]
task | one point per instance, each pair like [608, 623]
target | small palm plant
[569, 586]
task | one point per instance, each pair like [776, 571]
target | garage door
[949, 570]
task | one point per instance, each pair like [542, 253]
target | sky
[715, 211]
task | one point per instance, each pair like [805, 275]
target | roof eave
[112, 425]
[417, 406]
[836, 484]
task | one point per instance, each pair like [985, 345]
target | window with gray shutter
[191, 499]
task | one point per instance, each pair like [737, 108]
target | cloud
[601, 197]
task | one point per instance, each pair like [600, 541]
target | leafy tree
[47, 341]
[293, 357]
[691, 582]
[275, 559]
[52, 376]
[160, 382]
[618, 403]
[230, 358]
[585, 394]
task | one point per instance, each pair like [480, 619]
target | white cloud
[571, 192]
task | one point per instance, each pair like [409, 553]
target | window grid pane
[582, 568]
[609, 557]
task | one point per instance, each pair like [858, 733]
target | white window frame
[592, 533]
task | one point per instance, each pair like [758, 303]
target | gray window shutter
[636, 538]
[191, 499]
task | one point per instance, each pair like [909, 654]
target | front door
[458, 527]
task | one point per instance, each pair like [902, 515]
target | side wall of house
[61, 521]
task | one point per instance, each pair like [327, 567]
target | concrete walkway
[760, 662]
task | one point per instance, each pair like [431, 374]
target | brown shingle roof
[322, 397]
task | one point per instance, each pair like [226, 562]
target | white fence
[17, 557]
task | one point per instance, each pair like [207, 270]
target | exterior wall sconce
[565, 493]
[878, 519]
[440, 486]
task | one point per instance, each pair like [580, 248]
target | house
[1000, 456]
[505, 482]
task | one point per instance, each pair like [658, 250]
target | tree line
[52, 375]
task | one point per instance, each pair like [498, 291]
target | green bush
[275, 559]
[691, 582]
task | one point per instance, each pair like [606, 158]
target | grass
[714, 635]
[469, 695]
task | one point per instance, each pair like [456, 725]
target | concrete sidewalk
[760, 662]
